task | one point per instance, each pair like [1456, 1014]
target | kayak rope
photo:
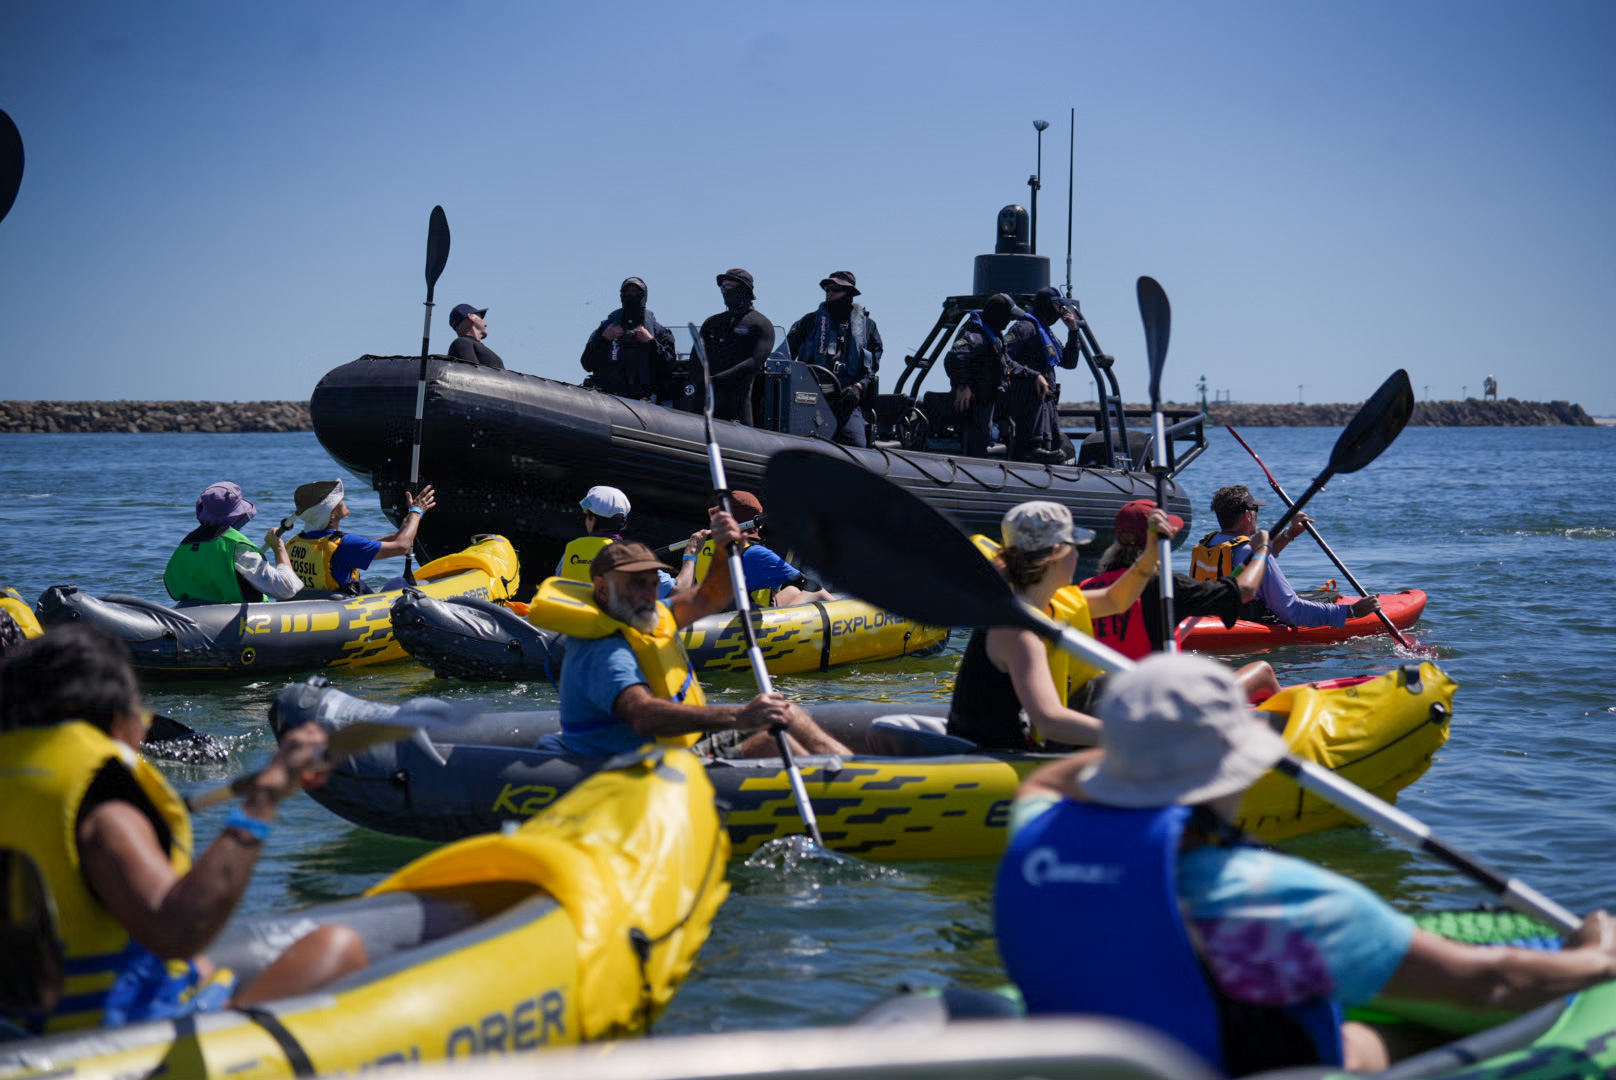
[296, 1056]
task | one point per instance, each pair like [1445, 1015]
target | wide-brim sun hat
[1176, 730]
[223, 503]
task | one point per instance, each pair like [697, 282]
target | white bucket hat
[1176, 730]
[1040, 525]
[316, 501]
[604, 502]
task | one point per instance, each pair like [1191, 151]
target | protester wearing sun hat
[1128, 891]
[1234, 545]
[841, 337]
[467, 322]
[1006, 672]
[737, 341]
[625, 677]
[329, 560]
[217, 564]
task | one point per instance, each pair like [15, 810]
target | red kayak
[1208, 634]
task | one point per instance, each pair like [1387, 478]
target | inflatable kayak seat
[909, 735]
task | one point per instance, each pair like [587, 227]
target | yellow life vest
[44, 775]
[311, 560]
[579, 554]
[568, 607]
[12, 603]
[1211, 561]
[761, 598]
[1068, 606]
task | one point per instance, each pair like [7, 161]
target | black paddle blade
[1158, 318]
[1376, 426]
[437, 245]
[883, 544]
[10, 163]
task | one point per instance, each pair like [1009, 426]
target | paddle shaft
[1385, 619]
[344, 742]
[1346, 795]
[1156, 314]
[743, 607]
[437, 257]
[746, 526]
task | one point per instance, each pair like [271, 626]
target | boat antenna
[1036, 181]
[1071, 156]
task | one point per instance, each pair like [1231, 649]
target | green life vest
[206, 570]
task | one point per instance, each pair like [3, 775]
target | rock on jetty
[151, 416]
[1471, 412]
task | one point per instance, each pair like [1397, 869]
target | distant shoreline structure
[246, 417]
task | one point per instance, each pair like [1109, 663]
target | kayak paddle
[1378, 423]
[437, 257]
[1157, 315]
[860, 528]
[1391, 628]
[746, 526]
[171, 740]
[11, 160]
[737, 579]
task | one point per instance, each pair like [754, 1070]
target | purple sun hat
[222, 504]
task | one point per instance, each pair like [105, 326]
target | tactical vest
[850, 361]
[206, 570]
[569, 607]
[44, 775]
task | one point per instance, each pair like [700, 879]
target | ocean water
[1511, 531]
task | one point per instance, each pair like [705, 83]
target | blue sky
[223, 201]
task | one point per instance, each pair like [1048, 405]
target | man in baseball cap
[633, 684]
[216, 564]
[467, 322]
[329, 560]
[841, 336]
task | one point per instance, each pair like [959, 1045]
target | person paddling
[1006, 671]
[1243, 954]
[605, 511]
[216, 564]
[626, 679]
[329, 560]
[772, 581]
[1137, 632]
[111, 843]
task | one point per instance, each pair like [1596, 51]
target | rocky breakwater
[1469, 413]
[217, 417]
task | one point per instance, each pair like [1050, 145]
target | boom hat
[316, 501]
[1176, 730]
[1230, 502]
[841, 279]
[604, 502]
[745, 503]
[458, 315]
[1040, 525]
[223, 504]
[1132, 525]
[740, 277]
[630, 555]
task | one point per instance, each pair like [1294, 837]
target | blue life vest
[1112, 873]
[850, 361]
[1052, 349]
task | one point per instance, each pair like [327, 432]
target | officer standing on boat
[630, 354]
[980, 371]
[842, 337]
[738, 340]
[467, 322]
[1034, 395]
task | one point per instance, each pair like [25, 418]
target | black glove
[849, 397]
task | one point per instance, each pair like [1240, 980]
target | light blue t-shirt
[594, 671]
[1276, 930]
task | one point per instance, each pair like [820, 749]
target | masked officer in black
[980, 371]
[630, 354]
[842, 337]
[738, 340]
[1031, 403]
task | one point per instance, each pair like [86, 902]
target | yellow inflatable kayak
[578, 926]
[214, 641]
[12, 603]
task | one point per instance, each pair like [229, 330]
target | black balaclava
[633, 295]
[738, 299]
[1046, 306]
[998, 312]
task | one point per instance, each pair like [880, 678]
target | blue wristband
[1261, 556]
[689, 557]
[238, 819]
[416, 510]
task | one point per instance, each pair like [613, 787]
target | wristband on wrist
[416, 510]
[688, 557]
[257, 831]
[1260, 556]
